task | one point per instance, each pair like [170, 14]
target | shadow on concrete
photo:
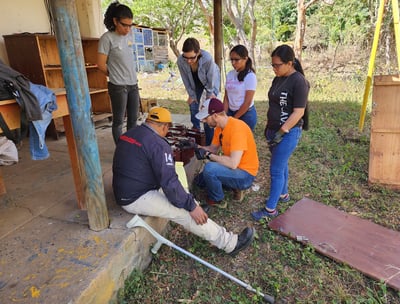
[48, 254]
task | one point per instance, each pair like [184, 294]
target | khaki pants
[155, 203]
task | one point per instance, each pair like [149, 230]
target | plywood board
[370, 248]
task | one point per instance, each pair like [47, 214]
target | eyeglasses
[190, 58]
[276, 65]
[220, 139]
[235, 59]
[125, 25]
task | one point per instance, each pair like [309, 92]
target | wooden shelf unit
[36, 56]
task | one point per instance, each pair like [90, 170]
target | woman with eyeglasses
[199, 74]
[116, 59]
[286, 118]
[240, 87]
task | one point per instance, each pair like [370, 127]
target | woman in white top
[240, 87]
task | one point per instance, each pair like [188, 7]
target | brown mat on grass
[368, 247]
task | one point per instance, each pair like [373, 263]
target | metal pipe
[137, 221]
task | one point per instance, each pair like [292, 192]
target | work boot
[219, 204]
[244, 240]
[238, 195]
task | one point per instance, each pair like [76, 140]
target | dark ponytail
[242, 51]
[299, 68]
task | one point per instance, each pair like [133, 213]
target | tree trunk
[301, 24]
[236, 14]
[174, 47]
[300, 28]
[209, 17]
[253, 32]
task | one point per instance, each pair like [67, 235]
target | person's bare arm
[231, 161]
[248, 98]
[102, 63]
[212, 148]
[296, 115]
[226, 102]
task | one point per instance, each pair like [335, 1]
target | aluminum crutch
[137, 221]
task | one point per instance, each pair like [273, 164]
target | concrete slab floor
[48, 254]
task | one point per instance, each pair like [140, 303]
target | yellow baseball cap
[159, 114]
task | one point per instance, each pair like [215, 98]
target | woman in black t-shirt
[286, 118]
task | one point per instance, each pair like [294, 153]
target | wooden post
[218, 38]
[79, 105]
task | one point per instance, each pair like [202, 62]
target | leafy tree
[345, 22]
[284, 15]
[241, 13]
[206, 8]
[177, 17]
[259, 24]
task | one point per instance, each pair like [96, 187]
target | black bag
[5, 92]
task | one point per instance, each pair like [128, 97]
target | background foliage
[345, 24]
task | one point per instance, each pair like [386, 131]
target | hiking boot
[264, 214]
[244, 240]
[238, 195]
[219, 204]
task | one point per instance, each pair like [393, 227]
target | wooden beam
[218, 37]
[76, 84]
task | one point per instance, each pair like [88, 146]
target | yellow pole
[395, 8]
[371, 64]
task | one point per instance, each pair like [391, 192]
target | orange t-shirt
[237, 136]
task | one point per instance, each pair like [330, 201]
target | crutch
[137, 221]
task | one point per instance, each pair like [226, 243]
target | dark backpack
[5, 92]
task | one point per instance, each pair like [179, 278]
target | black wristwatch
[208, 155]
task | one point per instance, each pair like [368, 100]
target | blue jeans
[250, 117]
[279, 164]
[123, 98]
[194, 109]
[37, 134]
[216, 176]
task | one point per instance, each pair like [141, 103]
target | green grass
[330, 166]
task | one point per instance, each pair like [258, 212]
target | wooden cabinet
[384, 162]
[36, 56]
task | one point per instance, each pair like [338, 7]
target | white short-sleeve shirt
[236, 89]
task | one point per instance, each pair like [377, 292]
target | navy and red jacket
[142, 162]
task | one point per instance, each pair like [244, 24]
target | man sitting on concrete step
[145, 182]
